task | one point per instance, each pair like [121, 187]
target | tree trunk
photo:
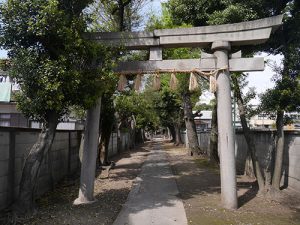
[119, 143]
[107, 120]
[132, 132]
[173, 133]
[139, 136]
[144, 136]
[30, 173]
[213, 146]
[178, 135]
[248, 135]
[279, 150]
[190, 125]
[121, 11]
[104, 142]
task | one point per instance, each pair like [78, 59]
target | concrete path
[152, 200]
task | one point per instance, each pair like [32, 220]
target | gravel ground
[111, 192]
[199, 186]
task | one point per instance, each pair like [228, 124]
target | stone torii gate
[220, 38]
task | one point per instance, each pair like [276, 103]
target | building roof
[206, 115]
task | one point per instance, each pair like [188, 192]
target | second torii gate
[221, 38]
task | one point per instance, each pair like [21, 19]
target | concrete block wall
[113, 145]
[291, 166]
[125, 141]
[265, 147]
[15, 144]
[60, 161]
[4, 168]
[264, 142]
[203, 140]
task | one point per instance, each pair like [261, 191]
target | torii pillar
[225, 129]
[89, 157]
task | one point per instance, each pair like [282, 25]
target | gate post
[89, 156]
[225, 128]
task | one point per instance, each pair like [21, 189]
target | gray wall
[15, 144]
[203, 140]
[264, 142]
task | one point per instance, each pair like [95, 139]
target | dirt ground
[199, 186]
[111, 193]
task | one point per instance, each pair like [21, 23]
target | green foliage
[195, 12]
[168, 107]
[204, 12]
[284, 96]
[203, 107]
[138, 105]
[285, 41]
[116, 15]
[166, 103]
[50, 59]
[166, 21]
[232, 14]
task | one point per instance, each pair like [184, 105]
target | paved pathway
[152, 200]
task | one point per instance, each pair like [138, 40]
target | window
[5, 119]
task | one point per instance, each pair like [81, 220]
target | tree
[284, 97]
[134, 107]
[213, 144]
[195, 12]
[117, 15]
[107, 120]
[108, 16]
[203, 12]
[284, 41]
[188, 98]
[168, 108]
[238, 82]
[55, 67]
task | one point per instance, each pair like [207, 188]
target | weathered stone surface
[234, 27]
[4, 151]
[155, 53]
[3, 184]
[205, 64]
[3, 168]
[3, 200]
[4, 138]
[245, 33]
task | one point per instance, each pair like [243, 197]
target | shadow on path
[153, 199]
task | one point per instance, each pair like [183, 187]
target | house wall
[264, 142]
[62, 160]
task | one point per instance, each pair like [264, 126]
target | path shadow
[252, 190]
[289, 142]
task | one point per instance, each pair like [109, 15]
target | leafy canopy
[285, 41]
[50, 59]
[138, 105]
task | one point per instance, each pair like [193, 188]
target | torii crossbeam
[220, 38]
